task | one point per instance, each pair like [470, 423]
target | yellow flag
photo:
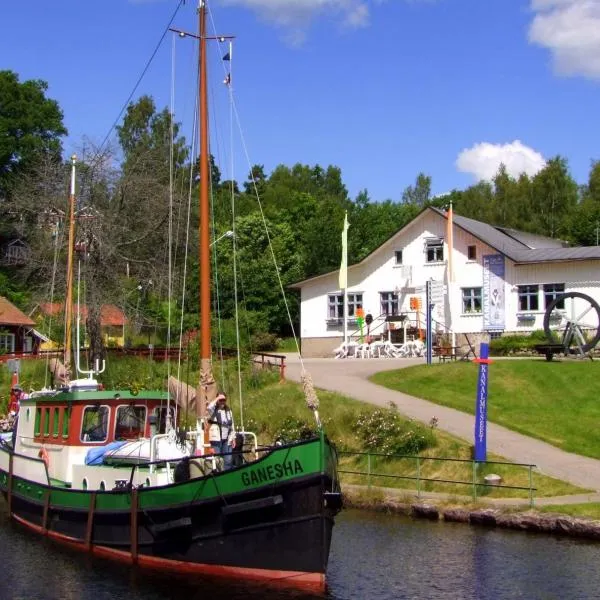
[344, 266]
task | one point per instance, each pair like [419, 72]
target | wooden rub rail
[270, 361]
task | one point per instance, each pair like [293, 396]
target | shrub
[509, 344]
[293, 429]
[262, 341]
[385, 431]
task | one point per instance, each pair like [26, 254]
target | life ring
[43, 454]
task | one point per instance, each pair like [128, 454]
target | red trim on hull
[296, 579]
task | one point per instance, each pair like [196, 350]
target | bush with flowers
[385, 431]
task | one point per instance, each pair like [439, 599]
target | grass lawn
[590, 510]
[557, 402]
[287, 345]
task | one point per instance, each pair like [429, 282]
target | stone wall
[320, 347]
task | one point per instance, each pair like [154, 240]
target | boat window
[38, 418]
[55, 423]
[161, 413]
[94, 426]
[66, 419]
[46, 420]
[130, 422]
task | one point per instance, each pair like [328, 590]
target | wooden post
[10, 483]
[134, 525]
[89, 530]
[282, 370]
[46, 510]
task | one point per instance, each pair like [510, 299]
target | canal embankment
[505, 513]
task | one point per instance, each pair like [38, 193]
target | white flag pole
[344, 276]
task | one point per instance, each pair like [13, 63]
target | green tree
[147, 138]
[554, 198]
[31, 125]
[420, 193]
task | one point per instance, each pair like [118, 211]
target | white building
[503, 281]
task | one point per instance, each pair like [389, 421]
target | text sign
[481, 405]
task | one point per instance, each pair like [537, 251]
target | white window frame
[436, 246]
[7, 342]
[551, 291]
[387, 301]
[134, 406]
[96, 407]
[336, 302]
[470, 296]
[526, 292]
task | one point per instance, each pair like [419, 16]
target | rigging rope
[139, 80]
[57, 237]
[309, 390]
[170, 228]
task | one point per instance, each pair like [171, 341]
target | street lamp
[228, 234]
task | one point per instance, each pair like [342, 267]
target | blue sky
[383, 88]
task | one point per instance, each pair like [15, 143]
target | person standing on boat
[221, 432]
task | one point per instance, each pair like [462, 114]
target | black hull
[278, 533]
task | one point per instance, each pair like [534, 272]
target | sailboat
[103, 471]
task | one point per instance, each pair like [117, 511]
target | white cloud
[483, 160]
[569, 29]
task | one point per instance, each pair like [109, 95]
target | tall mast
[69, 294]
[207, 389]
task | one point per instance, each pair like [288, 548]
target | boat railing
[209, 456]
[28, 467]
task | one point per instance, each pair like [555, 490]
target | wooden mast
[207, 390]
[69, 293]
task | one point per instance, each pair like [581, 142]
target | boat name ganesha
[272, 472]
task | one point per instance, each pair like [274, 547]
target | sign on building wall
[494, 301]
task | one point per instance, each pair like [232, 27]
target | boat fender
[182, 470]
[43, 454]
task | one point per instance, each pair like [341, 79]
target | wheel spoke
[585, 312]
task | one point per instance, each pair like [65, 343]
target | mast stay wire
[260, 206]
[139, 80]
[187, 242]
[170, 226]
[228, 81]
[216, 297]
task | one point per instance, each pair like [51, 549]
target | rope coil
[310, 395]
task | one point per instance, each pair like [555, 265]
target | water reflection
[375, 557]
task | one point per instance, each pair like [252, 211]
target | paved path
[349, 377]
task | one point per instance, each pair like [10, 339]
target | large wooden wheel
[577, 326]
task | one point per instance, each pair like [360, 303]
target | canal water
[373, 557]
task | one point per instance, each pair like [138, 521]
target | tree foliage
[31, 126]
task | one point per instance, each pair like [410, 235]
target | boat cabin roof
[88, 396]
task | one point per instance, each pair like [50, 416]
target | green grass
[287, 345]
[556, 402]
[590, 510]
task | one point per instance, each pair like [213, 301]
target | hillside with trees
[133, 207]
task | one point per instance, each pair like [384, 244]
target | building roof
[110, 315]
[522, 247]
[519, 246]
[11, 315]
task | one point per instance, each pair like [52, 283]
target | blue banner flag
[481, 404]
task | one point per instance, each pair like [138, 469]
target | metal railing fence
[475, 482]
